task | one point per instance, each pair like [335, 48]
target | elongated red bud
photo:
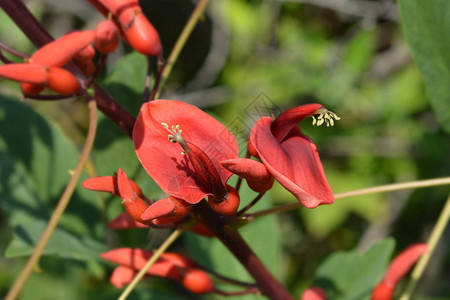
[62, 81]
[106, 37]
[27, 73]
[61, 51]
[31, 89]
[227, 206]
[142, 36]
[197, 281]
[102, 184]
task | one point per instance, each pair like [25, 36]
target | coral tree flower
[181, 148]
[397, 270]
[290, 156]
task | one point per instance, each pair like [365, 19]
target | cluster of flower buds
[172, 266]
[45, 68]
[141, 212]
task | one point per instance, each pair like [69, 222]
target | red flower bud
[142, 36]
[62, 81]
[26, 73]
[227, 206]
[106, 37]
[61, 51]
[197, 281]
[31, 89]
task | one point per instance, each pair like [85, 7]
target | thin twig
[60, 208]
[372, 190]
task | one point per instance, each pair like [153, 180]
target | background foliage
[352, 57]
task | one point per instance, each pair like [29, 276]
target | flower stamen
[325, 116]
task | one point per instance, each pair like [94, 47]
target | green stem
[169, 241]
[360, 192]
[187, 30]
[60, 208]
[432, 242]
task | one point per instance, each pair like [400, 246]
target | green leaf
[352, 275]
[427, 26]
[35, 160]
[263, 236]
[62, 243]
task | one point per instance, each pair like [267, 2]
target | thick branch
[231, 238]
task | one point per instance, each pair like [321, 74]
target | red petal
[163, 161]
[294, 163]
[62, 81]
[101, 184]
[126, 191]
[160, 208]
[247, 168]
[122, 276]
[289, 119]
[27, 73]
[61, 51]
[404, 262]
[383, 291]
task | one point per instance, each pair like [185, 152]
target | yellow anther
[325, 116]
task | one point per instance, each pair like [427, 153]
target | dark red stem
[37, 34]
[231, 238]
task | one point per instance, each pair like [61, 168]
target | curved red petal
[294, 163]
[163, 161]
[61, 51]
[122, 276]
[289, 119]
[160, 208]
[403, 262]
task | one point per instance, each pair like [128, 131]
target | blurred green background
[245, 59]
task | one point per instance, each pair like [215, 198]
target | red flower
[397, 270]
[187, 165]
[290, 156]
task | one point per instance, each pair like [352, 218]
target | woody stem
[37, 34]
[231, 238]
